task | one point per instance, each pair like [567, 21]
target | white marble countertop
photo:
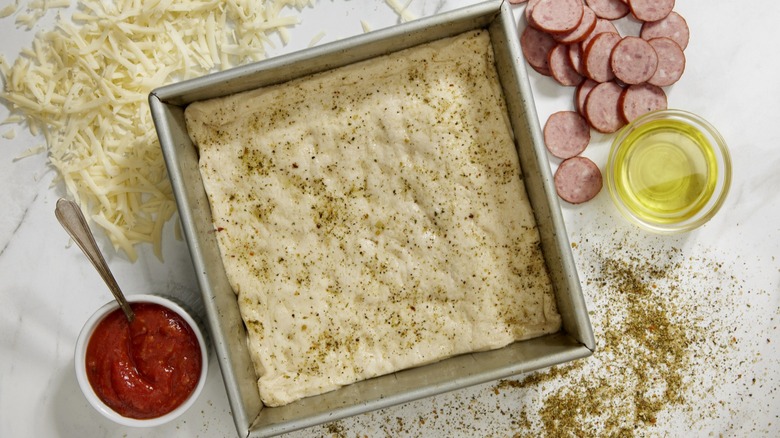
[720, 284]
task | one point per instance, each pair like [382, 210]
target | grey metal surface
[226, 327]
[538, 179]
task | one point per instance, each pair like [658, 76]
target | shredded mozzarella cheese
[316, 39]
[7, 11]
[35, 150]
[84, 87]
[402, 10]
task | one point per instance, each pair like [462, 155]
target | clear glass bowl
[668, 171]
[89, 392]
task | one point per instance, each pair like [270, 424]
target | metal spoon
[72, 219]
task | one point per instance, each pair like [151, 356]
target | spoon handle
[72, 219]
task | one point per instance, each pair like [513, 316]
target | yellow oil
[665, 171]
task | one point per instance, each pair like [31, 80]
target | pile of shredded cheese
[84, 86]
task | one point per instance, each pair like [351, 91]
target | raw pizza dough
[373, 218]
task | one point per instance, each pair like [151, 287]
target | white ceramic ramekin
[89, 392]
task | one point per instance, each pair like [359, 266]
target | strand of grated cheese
[35, 150]
[84, 84]
[8, 10]
[316, 39]
[402, 10]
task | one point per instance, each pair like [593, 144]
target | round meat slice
[578, 180]
[566, 134]
[671, 62]
[602, 109]
[586, 26]
[536, 46]
[517, 2]
[602, 26]
[637, 100]
[673, 26]
[581, 94]
[609, 9]
[529, 8]
[557, 16]
[651, 10]
[633, 60]
[561, 68]
[596, 57]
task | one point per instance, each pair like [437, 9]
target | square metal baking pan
[574, 341]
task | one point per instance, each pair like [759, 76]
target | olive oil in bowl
[667, 173]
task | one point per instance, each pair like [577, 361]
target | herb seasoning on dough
[373, 217]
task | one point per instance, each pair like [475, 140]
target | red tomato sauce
[146, 368]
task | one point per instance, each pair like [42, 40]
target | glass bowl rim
[723, 184]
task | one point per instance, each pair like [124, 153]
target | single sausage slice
[577, 180]
[529, 9]
[596, 57]
[651, 10]
[609, 9]
[640, 99]
[671, 62]
[633, 60]
[602, 26]
[581, 94]
[602, 109]
[561, 68]
[586, 26]
[673, 26]
[566, 134]
[536, 46]
[557, 16]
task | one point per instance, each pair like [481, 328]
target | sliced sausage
[578, 180]
[596, 57]
[673, 26]
[640, 99]
[536, 46]
[561, 68]
[517, 2]
[671, 62]
[586, 26]
[566, 134]
[602, 109]
[651, 10]
[581, 94]
[633, 60]
[609, 9]
[557, 16]
[602, 26]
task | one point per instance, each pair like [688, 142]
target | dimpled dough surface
[373, 217]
